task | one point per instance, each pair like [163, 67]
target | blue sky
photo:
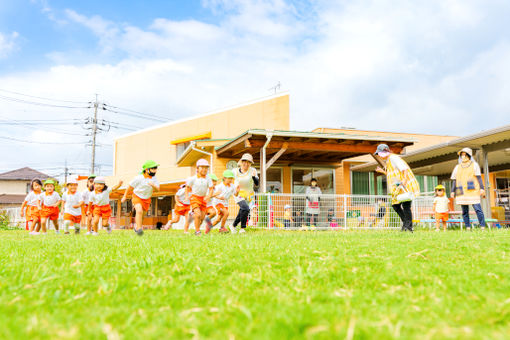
[439, 66]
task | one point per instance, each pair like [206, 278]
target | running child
[99, 204]
[72, 202]
[33, 215]
[86, 214]
[441, 207]
[200, 187]
[181, 208]
[221, 196]
[211, 210]
[48, 204]
[142, 187]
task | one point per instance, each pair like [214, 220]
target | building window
[301, 180]
[274, 180]
[180, 149]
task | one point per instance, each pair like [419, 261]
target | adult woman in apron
[246, 178]
[402, 185]
[467, 187]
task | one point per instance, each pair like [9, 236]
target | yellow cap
[440, 187]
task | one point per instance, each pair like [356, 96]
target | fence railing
[296, 211]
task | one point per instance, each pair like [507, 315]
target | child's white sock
[66, 226]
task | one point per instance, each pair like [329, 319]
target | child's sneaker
[109, 229]
[88, 233]
[66, 233]
[233, 229]
[76, 231]
[57, 232]
[138, 232]
[33, 233]
[94, 233]
[198, 232]
[223, 230]
[242, 231]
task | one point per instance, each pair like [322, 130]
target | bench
[430, 221]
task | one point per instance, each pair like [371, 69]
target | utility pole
[94, 132]
[65, 171]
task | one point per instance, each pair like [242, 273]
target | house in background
[15, 184]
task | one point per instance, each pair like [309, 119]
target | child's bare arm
[117, 186]
[209, 194]
[23, 208]
[187, 192]
[128, 191]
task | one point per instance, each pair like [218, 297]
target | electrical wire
[138, 112]
[44, 98]
[32, 142]
[23, 101]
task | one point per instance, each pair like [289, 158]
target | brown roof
[25, 173]
[11, 199]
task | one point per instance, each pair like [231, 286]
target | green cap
[49, 181]
[213, 177]
[228, 174]
[91, 176]
[149, 164]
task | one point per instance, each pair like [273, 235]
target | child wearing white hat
[72, 202]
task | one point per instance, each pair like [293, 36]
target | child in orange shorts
[441, 207]
[100, 200]
[221, 196]
[72, 202]
[142, 187]
[33, 215]
[181, 208]
[86, 208]
[211, 209]
[200, 188]
[48, 204]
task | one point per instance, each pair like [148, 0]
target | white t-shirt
[50, 200]
[225, 191]
[181, 195]
[32, 198]
[476, 168]
[442, 203]
[72, 199]
[101, 198]
[85, 196]
[245, 183]
[199, 186]
[398, 163]
[141, 186]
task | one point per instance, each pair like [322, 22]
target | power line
[32, 142]
[164, 119]
[44, 98]
[23, 101]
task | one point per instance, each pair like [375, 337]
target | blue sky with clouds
[420, 66]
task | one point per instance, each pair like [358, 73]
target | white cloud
[8, 43]
[432, 67]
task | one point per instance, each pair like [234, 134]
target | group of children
[200, 200]
[85, 208]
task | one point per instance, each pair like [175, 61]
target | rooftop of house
[22, 174]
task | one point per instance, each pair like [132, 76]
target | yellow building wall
[132, 150]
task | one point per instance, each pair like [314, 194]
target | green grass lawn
[262, 285]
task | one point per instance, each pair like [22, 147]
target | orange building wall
[132, 150]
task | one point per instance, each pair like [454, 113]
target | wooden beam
[233, 143]
[276, 156]
[362, 149]
[379, 160]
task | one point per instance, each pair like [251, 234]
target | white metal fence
[329, 212]
[296, 211]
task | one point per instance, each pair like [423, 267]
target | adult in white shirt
[246, 178]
